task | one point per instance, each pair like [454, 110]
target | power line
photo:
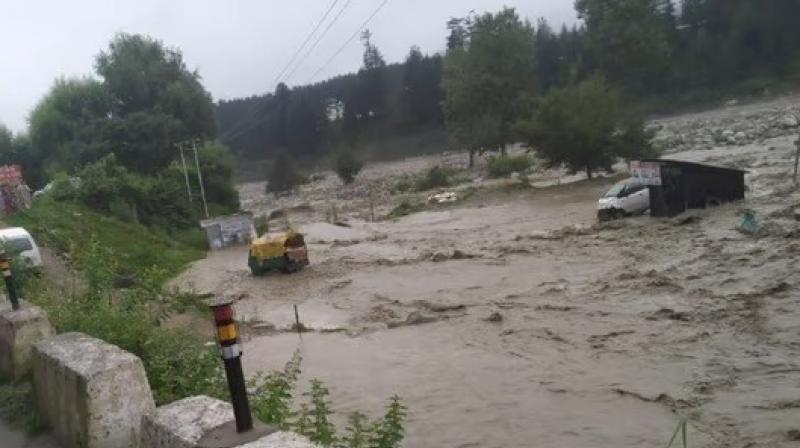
[341, 49]
[305, 42]
[319, 39]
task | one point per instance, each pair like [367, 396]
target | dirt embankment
[513, 317]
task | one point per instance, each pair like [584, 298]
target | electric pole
[200, 178]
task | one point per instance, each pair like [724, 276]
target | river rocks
[789, 121]
[729, 130]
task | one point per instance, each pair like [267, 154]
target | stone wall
[96, 395]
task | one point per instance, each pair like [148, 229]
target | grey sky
[239, 46]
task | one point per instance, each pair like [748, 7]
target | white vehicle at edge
[627, 197]
[18, 242]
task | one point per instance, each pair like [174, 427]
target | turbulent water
[512, 319]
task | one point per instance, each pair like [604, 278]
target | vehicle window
[17, 245]
[615, 191]
[635, 188]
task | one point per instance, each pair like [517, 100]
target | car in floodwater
[627, 197]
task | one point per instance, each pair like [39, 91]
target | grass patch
[72, 229]
[405, 208]
[16, 406]
[504, 166]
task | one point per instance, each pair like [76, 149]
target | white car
[18, 242]
[627, 197]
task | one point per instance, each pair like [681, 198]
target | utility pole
[185, 171]
[200, 178]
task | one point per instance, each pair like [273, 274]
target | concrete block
[19, 330]
[182, 423]
[93, 394]
[281, 440]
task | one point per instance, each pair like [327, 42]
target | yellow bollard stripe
[227, 333]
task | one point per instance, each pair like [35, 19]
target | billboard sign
[647, 173]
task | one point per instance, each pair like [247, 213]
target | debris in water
[748, 225]
[495, 317]
[413, 318]
[443, 197]
[669, 314]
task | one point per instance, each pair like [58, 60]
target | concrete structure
[281, 440]
[92, 393]
[19, 330]
[226, 231]
[183, 423]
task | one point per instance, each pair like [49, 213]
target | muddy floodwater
[512, 318]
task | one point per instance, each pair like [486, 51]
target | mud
[513, 319]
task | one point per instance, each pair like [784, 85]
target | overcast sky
[239, 46]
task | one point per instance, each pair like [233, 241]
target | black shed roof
[694, 165]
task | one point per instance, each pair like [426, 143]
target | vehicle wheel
[255, 267]
[289, 266]
[618, 214]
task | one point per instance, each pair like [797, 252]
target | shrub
[261, 223]
[283, 175]
[406, 208]
[348, 165]
[435, 177]
[16, 406]
[503, 166]
[63, 187]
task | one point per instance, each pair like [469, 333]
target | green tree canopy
[584, 127]
[629, 40]
[64, 123]
[485, 78]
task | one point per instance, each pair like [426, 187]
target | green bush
[63, 187]
[406, 208]
[261, 223]
[436, 177]
[283, 174]
[348, 165]
[16, 406]
[504, 166]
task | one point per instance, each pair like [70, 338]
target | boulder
[789, 121]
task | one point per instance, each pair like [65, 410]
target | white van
[18, 242]
[627, 197]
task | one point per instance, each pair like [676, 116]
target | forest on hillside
[653, 52]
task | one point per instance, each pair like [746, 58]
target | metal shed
[676, 186]
[226, 231]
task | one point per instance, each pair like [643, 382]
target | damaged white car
[625, 198]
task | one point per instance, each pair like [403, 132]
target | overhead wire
[319, 39]
[350, 39]
[305, 42]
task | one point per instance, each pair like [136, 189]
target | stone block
[92, 393]
[19, 330]
[182, 423]
[281, 440]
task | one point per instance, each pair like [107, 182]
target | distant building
[227, 231]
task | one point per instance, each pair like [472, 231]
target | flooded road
[512, 319]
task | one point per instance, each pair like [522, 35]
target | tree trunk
[588, 172]
[503, 149]
[471, 158]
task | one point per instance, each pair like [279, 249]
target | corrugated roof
[695, 164]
